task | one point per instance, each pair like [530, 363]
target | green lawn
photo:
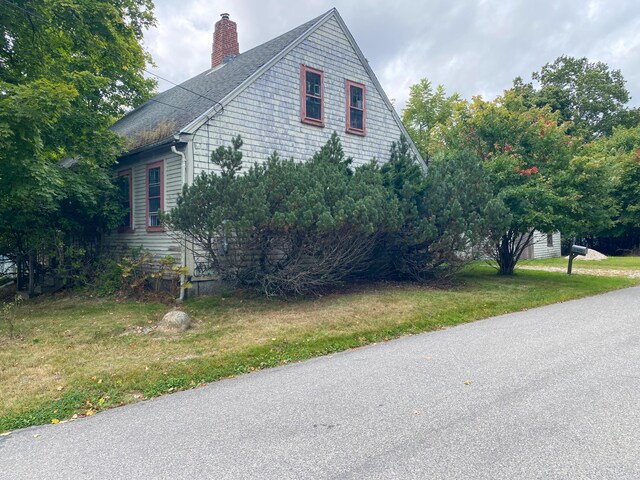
[616, 263]
[76, 356]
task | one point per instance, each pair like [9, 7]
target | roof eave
[174, 139]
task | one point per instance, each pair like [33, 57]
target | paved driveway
[548, 393]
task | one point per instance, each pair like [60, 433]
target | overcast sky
[470, 46]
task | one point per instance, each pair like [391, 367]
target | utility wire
[180, 86]
[45, 20]
[167, 104]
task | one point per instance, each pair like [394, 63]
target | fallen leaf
[55, 420]
[467, 382]
[90, 412]
[59, 387]
[36, 435]
[5, 434]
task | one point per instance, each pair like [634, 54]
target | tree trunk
[19, 273]
[32, 273]
[506, 260]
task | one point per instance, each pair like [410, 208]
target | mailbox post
[575, 251]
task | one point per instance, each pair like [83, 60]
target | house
[289, 95]
[543, 245]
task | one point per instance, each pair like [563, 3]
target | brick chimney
[225, 41]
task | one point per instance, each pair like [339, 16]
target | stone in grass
[176, 321]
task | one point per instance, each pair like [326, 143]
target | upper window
[356, 108]
[124, 199]
[155, 197]
[549, 239]
[312, 95]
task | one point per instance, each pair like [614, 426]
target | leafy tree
[589, 94]
[426, 112]
[617, 157]
[531, 161]
[524, 151]
[68, 70]
[627, 192]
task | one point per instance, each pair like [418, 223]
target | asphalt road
[547, 393]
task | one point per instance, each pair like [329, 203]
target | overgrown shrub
[286, 228]
[8, 313]
[140, 274]
[290, 228]
[447, 214]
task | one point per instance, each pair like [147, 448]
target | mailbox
[579, 250]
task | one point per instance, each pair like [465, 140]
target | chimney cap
[225, 16]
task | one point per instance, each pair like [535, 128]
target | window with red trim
[155, 195]
[312, 95]
[124, 198]
[356, 108]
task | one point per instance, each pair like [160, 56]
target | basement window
[124, 183]
[356, 108]
[312, 96]
[155, 196]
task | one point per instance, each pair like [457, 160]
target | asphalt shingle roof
[159, 118]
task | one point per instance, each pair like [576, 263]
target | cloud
[470, 46]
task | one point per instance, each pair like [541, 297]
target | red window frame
[128, 173]
[349, 128]
[303, 96]
[151, 166]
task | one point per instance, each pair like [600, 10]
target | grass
[615, 263]
[76, 356]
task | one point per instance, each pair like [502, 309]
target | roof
[184, 108]
[171, 111]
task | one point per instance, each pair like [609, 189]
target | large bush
[447, 214]
[291, 228]
[286, 228]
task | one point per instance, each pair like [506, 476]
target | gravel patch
[592, 255]
[601, 272]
